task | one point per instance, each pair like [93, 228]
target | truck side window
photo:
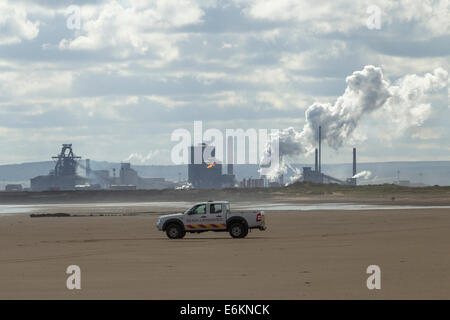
[215, 208]
[200, 209]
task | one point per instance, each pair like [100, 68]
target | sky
[136, 70]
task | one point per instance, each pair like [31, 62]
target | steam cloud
[363, 174]
[185, 186]
[367, 91]
[138, 157]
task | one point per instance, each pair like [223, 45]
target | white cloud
[313, 57]
[432, 15]
[282, 100]
[164, 101]
[318, 16]
[229, 98]
[426, 133]
[324, 16]
[15, 25]
[28, 83]
[395, 66]
[141, 28]
[227, 45]
[267, 75]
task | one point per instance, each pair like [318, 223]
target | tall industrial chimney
[230, 155]
[320, 148]
[316, 165]
[88, 167]
[354, 162]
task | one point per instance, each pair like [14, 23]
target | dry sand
[302, 255]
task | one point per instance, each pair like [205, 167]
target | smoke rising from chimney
[363, 175]
[367, 92]
[141, 158]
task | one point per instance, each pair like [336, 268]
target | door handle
[219, 216]
[203, 217]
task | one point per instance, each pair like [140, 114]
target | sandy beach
[303, 255]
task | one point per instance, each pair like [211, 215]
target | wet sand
[302, 255]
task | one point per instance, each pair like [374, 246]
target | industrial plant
[317, 176]
[202, 174]
[64, 176]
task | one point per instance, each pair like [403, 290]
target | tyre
[238, 230]
[175, 231]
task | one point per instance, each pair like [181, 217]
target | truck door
[196, 218]
[217, 216]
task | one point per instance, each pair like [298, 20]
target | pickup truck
[211, 216]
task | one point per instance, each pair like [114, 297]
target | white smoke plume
[141, 158]
[363, 175]
[367, 91]
[298, 175]
[185, 186]
[405, 106]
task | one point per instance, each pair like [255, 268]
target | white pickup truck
[211, 216]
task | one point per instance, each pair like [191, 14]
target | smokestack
[88, 167]
[230, 155]
[320, 148]
[264, 177]
[354, 162]
[316, 165]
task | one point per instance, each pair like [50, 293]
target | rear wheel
[238, 230]
[175, 231]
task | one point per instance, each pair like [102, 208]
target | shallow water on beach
[333, 206]
[15, 209]
[9, 209]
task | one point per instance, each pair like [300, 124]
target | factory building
[207, 174]
[13, 188]
[100, 177]
[252, 183]
[130, 177]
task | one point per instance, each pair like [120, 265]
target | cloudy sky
[136, 70]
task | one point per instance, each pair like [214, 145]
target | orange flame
[211, 165]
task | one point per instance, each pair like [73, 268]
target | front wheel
[238, 230]
[175, 231]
